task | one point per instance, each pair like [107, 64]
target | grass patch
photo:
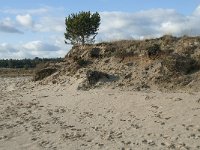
[9, 72]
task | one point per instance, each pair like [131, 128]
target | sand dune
[34, 117]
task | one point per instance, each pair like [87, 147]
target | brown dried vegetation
[162, 63]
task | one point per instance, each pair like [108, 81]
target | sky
[35, 28]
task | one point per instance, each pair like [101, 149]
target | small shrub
[124, 53]
[95, 53]
[153, 50]
[43, 73]
[94, 76]
[180, 64]
[81, 62]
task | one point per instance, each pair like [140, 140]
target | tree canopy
[81, 28]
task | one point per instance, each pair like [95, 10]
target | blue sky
[34, 28]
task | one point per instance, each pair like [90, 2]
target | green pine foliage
[81, 28]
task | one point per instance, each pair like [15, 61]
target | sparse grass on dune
[8, 72]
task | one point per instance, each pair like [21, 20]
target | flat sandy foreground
[59, 117]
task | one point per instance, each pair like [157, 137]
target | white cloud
[42, 49]
[7, 26]
[7, 22]
[44, 19]
[7, 51]
[197, 11]
[39, 46]
[25, 20]
[150, 23]
[50, 24]
[36, 11]
[32, 49]
[5, 47]
[42, 23]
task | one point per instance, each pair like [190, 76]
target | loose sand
[34, 117]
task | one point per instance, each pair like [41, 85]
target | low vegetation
[165, 62]
[10, 72]
[25, 67]
[43, 73]
[26, 63]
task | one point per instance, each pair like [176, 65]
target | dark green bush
[81, 62]
[153, 50]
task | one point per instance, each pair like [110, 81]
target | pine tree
[81, 28]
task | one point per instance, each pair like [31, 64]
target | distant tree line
[26, 63]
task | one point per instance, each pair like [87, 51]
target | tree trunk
[83, 40]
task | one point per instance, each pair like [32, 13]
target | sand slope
[35, 117]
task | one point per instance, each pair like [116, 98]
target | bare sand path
[59, 117]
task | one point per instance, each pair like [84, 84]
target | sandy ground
[59, 117]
